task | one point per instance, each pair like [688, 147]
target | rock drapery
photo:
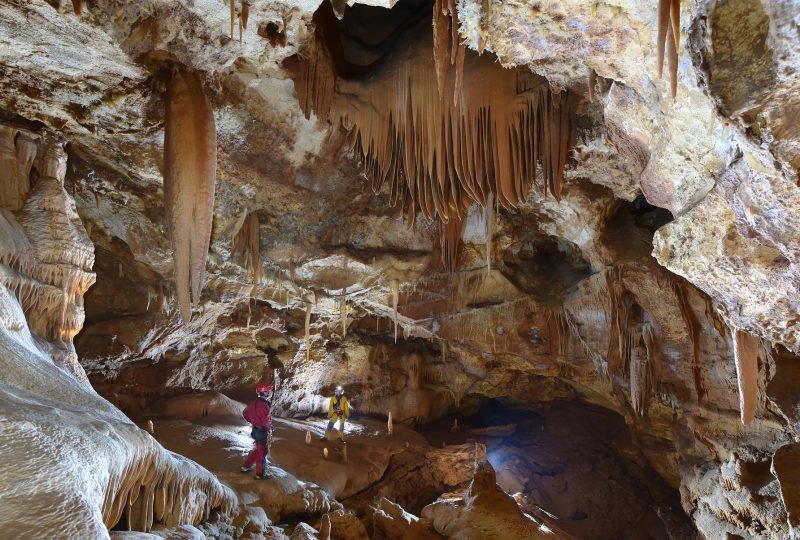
[67, 451]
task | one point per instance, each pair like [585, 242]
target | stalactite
[308, 331]
[694, 329]
[247, 246]
[450, 242]
[489, 215]
[437, 157]
[77, 6]
[233, 16]
[620, 336]
[557, 332]
[592, 82]
[745, 354]
[343, 310]
[669, 14]
[642, 371]
[245, 14]
[190, 164]
[395, 300]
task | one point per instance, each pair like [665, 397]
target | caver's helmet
[339, 391]
[263, 389]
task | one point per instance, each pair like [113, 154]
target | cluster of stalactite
[190, 165]
[247, 246]
[155, 488]
[45, 253]
[428, 126]
[633, 348]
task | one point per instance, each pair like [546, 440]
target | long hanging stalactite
[190, 166]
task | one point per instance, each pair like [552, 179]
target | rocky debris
[389, 520]
[485, 511]
[740, 497]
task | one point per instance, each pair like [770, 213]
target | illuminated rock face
[555, 300]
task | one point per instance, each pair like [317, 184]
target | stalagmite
[150, 428]
[308, 438]
[745, 354]
[344, 454]
[390, 424]
[395, 300]
[190, 165]
[308, 330]
[592, 82]
[325, 453]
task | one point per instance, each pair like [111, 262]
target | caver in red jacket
[258, 414]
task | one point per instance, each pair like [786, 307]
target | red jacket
[257, 413]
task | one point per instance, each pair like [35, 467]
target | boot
[325, 437]
[262, 476]
[246, 469]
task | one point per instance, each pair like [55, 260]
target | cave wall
[73, 465]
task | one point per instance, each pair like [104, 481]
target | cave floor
[302, 482]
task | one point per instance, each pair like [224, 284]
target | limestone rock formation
[613, 193]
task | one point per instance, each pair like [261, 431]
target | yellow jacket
[344, 407]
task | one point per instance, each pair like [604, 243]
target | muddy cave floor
[568, 465]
